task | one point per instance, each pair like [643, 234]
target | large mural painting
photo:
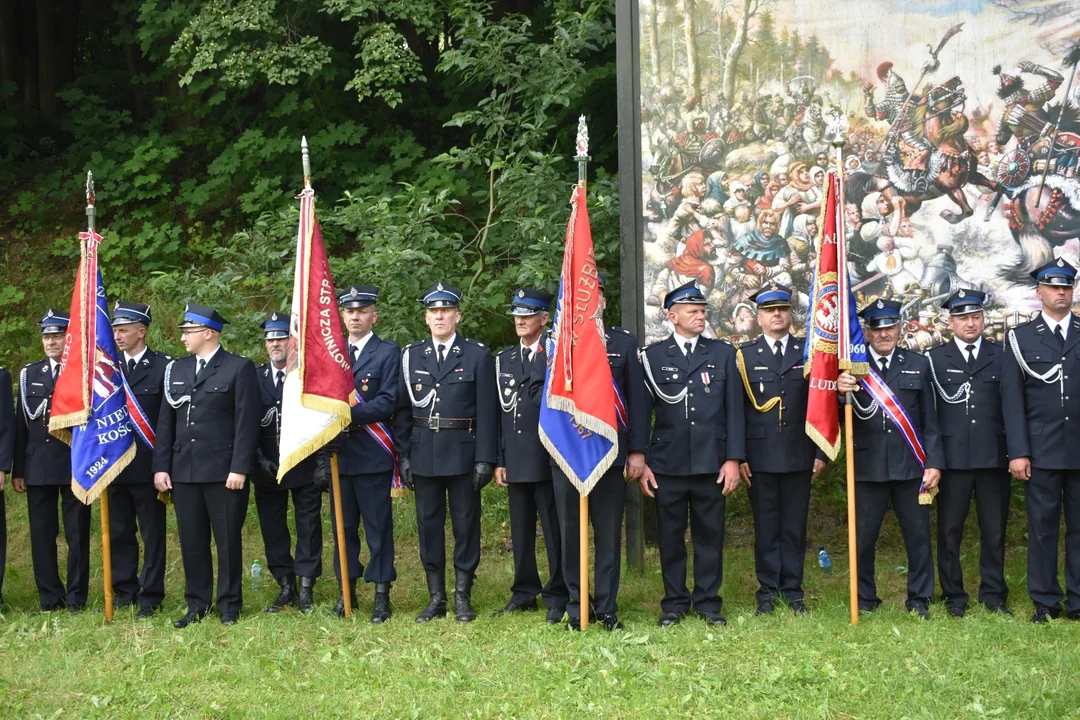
[960, 164]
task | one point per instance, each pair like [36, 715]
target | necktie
[442, 354]
[131, 365]
[202, 366]
[688, 349]
[971, 357]
[1060, 337]
[55, 370]
[526, 359]
[778, 351]
[354, 352]
[883, 363]
[279, 377]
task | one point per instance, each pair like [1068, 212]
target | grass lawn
[892, 665]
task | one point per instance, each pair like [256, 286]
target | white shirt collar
[877, 358]
[534, 348]
[1051, 323]
[209, 357]
[136, 358]
[977, 342]
[53, 365]
[361, 343]
[448, 344]
[683, 340]
[783, 342]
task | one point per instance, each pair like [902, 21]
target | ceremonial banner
[578, 412]
[834, 337]
[93, 407]
[318, 378]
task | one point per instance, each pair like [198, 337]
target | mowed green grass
[892, 665]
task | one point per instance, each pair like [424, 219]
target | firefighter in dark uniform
[207, 435]
[42, 469]
[133, 499]
[607, 501]
[272, 497]
[693, 461]
[449, 411]
[1040, 377]
[781, 458]
[366, 462]
[7, 453]
[887, 472]
[524, 466]
[967, 377]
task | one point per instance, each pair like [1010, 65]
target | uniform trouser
[701, 499]
[781, 504]
[872, 500]
[272, 506]
[3, 541]
[432, 494]
[41, 503]
[606, 504]
[1045, 494]
[367, 497]
[991, 488]
[527, 500]
[136, 508]
[200, 509]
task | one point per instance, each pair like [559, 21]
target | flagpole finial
[836, 128]
[90, 198]
[582, 156]
[306, 158]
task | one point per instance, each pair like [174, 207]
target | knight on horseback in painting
[906, 150]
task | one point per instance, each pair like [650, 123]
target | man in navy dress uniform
[693, 460]
[1039, 380]
[780, 457]
[134, 508]
[967, 374]
[365, 461]
[42, 469]
[887, 472]
[449, 412]
[207, 435]
[272, 497]
[524, 466]
[7, 453]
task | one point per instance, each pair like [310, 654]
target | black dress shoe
[513, 607]
[436, 608]
[76, 607]
[305, 599]
[191, 617]
[339, 606]
[765, 607]
[923, 611]
[956, 611]
[555, 616]
[713, 618]
[125, 603]
[999, 609]
[229, 618]
[574, 624]
[145, 613]
[670, 618]
[798, 607]
[1043, 615]
[867, 608]
[289, 595]
[610, 621]
[1073, 614]
[53, 607]
[463, 609]
[381, 611]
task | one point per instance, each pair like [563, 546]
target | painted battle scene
[960, 163]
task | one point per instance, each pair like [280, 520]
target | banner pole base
[853, 559]
[106, 554]
[583, 560]
[339, 535]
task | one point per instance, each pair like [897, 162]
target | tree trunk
[28, 40]
[654, 43]
[10, 65]
[731, 61]
[48, 107]
[131, 59]
[686, 7]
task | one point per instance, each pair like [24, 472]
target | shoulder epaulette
[624, 331]
[477, 343]
[414, 343]
[655, 343]
[747, 343]
[725, 340]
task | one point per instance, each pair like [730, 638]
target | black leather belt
[437, 423]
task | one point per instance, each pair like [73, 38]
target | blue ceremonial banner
[102, 431]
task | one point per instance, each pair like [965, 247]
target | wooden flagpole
[335, 477]
[582, 158]
[838, 137]
[106, 530]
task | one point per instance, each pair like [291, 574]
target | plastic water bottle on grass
[256, 575]
[823, 560]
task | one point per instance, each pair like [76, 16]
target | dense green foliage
[441, 134]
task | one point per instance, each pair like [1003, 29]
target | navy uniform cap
[202, 316]
[964, 302]
[1055, 272]
[440, 295]
[772, 295]
[529, 301]
[881, 313]
[128, 313]
[358, 296]
[275, 326]
[54, 321]
[687, 294]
